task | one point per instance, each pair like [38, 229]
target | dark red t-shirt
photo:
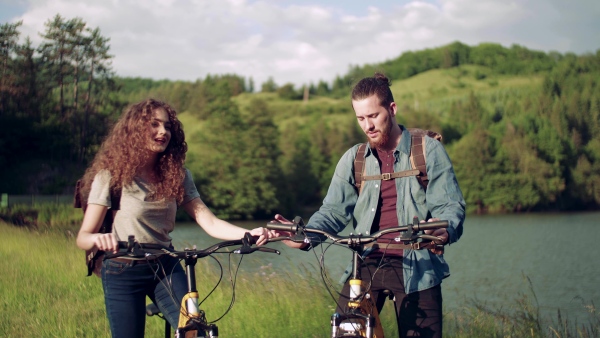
[386, 216]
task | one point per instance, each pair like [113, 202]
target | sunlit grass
[437, 90]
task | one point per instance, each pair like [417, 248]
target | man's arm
[444, 197]
[339, 203]
[337, 209]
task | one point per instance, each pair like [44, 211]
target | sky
[304, 41]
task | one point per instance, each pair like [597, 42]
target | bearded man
[413, 276]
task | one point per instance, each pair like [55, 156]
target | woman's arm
[88, 236]
[219, 228]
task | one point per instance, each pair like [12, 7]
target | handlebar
[134, 249]
[410, 232]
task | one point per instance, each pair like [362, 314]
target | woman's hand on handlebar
[280, 219]
[442, 234]
[263, 235]
[106, 242]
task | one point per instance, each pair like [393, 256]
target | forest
[522, 127]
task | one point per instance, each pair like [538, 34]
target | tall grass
[45, 294]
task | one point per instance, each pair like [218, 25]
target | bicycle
[362, 319]
[192, 319]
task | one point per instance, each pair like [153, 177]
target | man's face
[375, 120]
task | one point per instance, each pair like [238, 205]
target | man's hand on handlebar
[263, 235]
[442, 234]
[280, 219]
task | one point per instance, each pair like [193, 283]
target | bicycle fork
[359, 321]
[191, 318]
[355, 322]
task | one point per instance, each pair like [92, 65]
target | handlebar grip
[249, 239]
[433, 225]
[282, 227]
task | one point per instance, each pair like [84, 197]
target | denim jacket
[343, 206]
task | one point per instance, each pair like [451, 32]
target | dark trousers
[126, 286]
[418, 314]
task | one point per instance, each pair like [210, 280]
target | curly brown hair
[124, 152]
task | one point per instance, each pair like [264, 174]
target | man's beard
[384, 134]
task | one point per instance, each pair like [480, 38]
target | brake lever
[269, 250]
[247, 250]
[244, 250]
[246, 247]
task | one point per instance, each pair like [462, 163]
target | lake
[490, 263]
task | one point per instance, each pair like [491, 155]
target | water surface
[490, 263]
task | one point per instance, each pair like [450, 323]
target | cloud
[304, 42]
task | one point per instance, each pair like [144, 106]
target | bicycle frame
[362, 320]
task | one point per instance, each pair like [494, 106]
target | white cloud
[305, 41]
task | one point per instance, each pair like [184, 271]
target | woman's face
[159, 130]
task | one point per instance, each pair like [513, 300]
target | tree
[31, 94]
[60, 48]
[260, 161]
[322, 88]
[9, 36]
[250, 86]
[297, 161]
[237, 170]
[287, 92]
[473, 163]
[269, 86]
[99, 76]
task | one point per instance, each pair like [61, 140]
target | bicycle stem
[190, 271]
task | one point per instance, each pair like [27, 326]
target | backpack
[93, 257]
[417, 160]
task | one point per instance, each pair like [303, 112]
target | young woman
[142, 159]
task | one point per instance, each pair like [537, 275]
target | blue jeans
[126, 286]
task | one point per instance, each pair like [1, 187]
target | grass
[46, 294]
[44, 217]
[437, 89]
[42, 293]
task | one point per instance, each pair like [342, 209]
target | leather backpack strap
[115, 199]
[389, 176]
[93, 257]
[417, 159]
[359, 166]
[417, 152]
[77, 203]
[115, 204]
